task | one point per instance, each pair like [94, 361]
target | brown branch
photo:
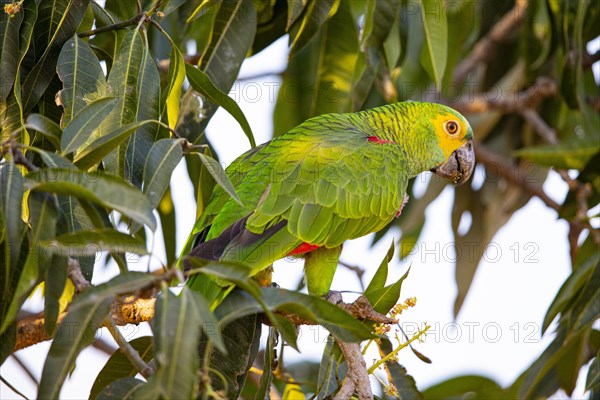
[76, 276]
[140, 18]
[360, 272]
[485, 47]
[31, 330]
[357, 378]
[132, 355]
[513, 173]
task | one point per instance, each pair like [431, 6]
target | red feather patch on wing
[302, 249]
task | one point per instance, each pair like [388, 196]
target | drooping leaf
[160, 163]
[203, 85]
[88, 243]
[174, 82]
[9, 51]
[95, 151]
[176, 328]
[267, 375]
[405, 385]
[46, 127]
[435, 52]
[218, 173]
[55, 283]
[592, 381]
[123, 389]
[57, 22]
[573, 155]
[81, 127]
[479, 386]
[11, 197]
[82, 77]
[326, 381]
[77, 330]
[379, 18]
[315, 15]
[144, 137]
[118, 366]
[104, 189]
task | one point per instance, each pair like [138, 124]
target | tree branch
[132, 355]
[513, 173]
[501, 31]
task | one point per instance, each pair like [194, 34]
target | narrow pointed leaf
[80, 129]
[9, 51]
[118, 365]
[203, 85]
[175, 80]
[88, 243]
[56, 23]
[435, 51]
[218, 173]
[46, 127]
[77, 330]
[103, 189]
[160, 163]
[11, 197]
[305, 28]
[95, 151]
[82, 77]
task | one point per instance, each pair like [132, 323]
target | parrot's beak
[460, 165]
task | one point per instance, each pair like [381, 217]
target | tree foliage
[99, 102]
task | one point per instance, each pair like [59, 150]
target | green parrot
[333, 178]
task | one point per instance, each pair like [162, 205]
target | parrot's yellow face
[455, 139]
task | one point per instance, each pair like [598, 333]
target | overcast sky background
[497, 333]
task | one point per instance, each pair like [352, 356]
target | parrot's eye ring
[451, 127]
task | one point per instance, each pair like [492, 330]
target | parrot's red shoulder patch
[302, 249]
[375, 139]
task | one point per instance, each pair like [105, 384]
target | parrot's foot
[334, 297]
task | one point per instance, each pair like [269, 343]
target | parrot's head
[454, 138]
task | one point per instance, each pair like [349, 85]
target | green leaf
[122, 389]
[468, 385]
[46, 127]
[96, 150]
[88, 243]
[80, 129]
[570, 289]
[572, 155]
[295, 8]
[592, 381]
[176, 327]
[55, 281]
[56, 23]
[168, 223]
[326, 381]
[232, 37]
[123, 81]
[405, 384]
[9, 51]
[435, 52]
[11, 198]
[86, 315]
[379, 18]
[174, 83]
[203, 85]
[160, 163]
[304, 29]
[118, 366]
[380, 278]
[383, 299]
[333, 318]
[82, 77]
[218, 173]
[269, 357]
[338, 49]
[142, 140]
[104, 189]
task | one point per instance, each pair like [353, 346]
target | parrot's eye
[451, 127]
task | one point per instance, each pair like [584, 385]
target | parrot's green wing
[322, 183]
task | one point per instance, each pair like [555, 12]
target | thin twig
[25, 368]
[76, 276]
[513, 173]
[360, 272]
[132, 355]
[484, 48]
[113, 27]
[11, 387]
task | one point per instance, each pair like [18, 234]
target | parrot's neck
[396, 124]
